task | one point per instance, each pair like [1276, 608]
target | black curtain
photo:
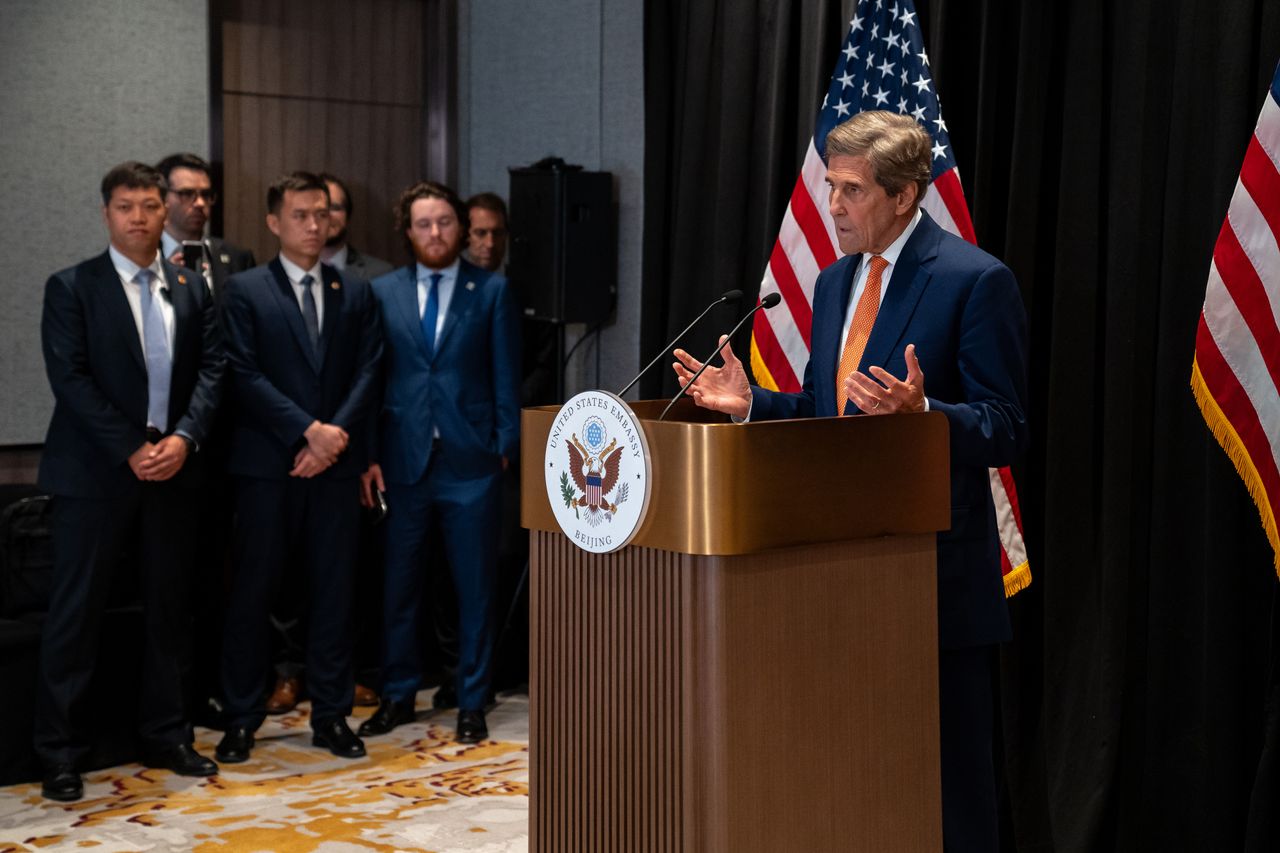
[1099, 145]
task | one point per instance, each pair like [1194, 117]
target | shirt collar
[127, 269]
[295, 272]
[338, 259]
[448, 273]
[169, 244]
[892, 253]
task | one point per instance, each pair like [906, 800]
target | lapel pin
[334, 285]
[471, 285]
[226, 259]
[182, 279]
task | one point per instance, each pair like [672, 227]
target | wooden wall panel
[323, 86]
[369, 51]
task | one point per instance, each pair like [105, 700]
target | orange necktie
[864, 317]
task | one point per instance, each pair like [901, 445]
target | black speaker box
[563, 261]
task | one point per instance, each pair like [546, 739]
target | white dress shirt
[444, 291]
[295, 273]
[127, 269]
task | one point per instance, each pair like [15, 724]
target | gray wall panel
[86, 84]
[563, 79]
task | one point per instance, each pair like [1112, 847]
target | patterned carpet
[416, 790]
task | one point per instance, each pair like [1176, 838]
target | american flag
[882, 66]
[1235, 375]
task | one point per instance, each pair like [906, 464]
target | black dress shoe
[387, 717]
[62, 783]
[446, 696]
[335, 736]
[235, 746]
[181, 759]
[471, 727]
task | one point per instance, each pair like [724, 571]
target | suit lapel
[117, 306]
[334, 293]
[464, 293]
[828, 322]
[288, 305]
[405, 295]
[907, 284]
[180, 298]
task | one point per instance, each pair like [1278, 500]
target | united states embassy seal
[597, 470]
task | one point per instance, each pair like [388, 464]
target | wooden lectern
[758, 669]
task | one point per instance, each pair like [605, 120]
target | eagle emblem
[594, 467]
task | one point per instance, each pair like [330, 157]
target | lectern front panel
[784, 700]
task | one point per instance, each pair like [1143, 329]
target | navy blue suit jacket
[98, 374]
[280, 384]
[962, 309]
[468, 387]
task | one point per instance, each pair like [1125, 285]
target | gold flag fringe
[1230, 441]
[758, 369]
[1017, 580]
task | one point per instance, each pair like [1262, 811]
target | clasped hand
[157, 462]
[325, 443]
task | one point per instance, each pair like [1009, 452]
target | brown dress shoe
[365, 697]
[285, 697]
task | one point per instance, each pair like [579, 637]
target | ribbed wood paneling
[322, 85]
[606, 698]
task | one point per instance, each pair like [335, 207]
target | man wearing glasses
[188, 204]
[188, 201]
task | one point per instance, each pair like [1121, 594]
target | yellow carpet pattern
[416, 790]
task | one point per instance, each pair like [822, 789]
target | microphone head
[771, 300]
[731, 296]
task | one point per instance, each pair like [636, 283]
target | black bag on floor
[26, 557]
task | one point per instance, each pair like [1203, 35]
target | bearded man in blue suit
[946, 311]
[449, 428]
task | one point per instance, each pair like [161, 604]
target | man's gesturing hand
[894, 395]
[723, 389]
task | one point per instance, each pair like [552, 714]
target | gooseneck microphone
[767, 302]
[728, 296]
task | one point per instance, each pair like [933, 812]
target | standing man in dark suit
[449, 427]
[932, 309]
[303, 347]
[337, 251]
[286, 617]
[133, 354]
[189, 202]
